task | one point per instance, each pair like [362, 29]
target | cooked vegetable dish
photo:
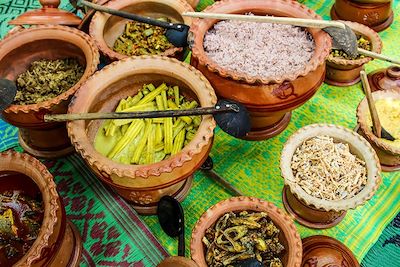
[238, 236]
[362, 42]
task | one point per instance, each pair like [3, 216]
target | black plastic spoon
[248, 263]
[171, 217]
[8, 91]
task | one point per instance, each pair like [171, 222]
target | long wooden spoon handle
[378, 56]
[377, 128]
[313, 23]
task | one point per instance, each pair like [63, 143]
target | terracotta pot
[269, 101]
[289, 237]
[105, 29]
[389, 155]
[319, 213]
[17, 51]
[143, 185]
[345, 72]
[177, 261]
[377, 16]
[385, 79]
[58, 242]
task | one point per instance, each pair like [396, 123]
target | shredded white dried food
[259, 49]
[328, 170]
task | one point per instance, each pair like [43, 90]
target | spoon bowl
[8, 91]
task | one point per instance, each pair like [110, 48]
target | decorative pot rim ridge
[372, 36]
[197, 234]
[107, 51]
[361, 113]
[48, 104]
[46, 228]
[373, 173]
[104, 164]
[199, 53]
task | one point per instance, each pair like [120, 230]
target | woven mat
[251, 166]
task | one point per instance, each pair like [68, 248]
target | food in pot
[20, 219]
[142, 39]
[46, 79]
[146, 141]
[328, 170]
[362, 42]
[259, 49]
[241, 235]
[389, 116]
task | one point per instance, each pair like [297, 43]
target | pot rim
[366, 31]
[362, 113]
[280, 218]
[96, 29]
[203, 137]
[345, 135]
[199, 53]
[59, 30]
[25, 164]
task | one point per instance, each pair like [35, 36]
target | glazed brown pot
[105, 29]
[377, 16]
[143, 185]
[17, 51]
[319, 213]
[345, 72]
[288, 236]
[58, 242]
[385, 79]
[269, 101]
[389, 155]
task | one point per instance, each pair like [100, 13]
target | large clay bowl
[143, 185]
[289, 237]
[105, 29]
[378, 16]
[319, 213]
[23, 46]
[58, 242]
[389, 155]
[345, 72]
[268, 101]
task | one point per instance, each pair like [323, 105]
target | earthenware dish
[289, 237]
[58, 242]
[269, 101]
[385, 79]
[345, 72]
[143, 185]
[17, 51]
[105, 29]
[319, 213]
[389, 156]
[176, 261]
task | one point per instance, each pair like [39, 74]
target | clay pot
[385, 79]
[177, 261]
[377, 16]
[345, 72]
[105, 29]
[17, 51]
[143, 185]
[58, 242]
[389, 155]
[319, 213]
[288, 237]
[269, 101]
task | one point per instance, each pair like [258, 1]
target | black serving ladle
[8, 91]
[171, 218]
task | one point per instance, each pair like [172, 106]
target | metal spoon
[171, 217]
[8, 91]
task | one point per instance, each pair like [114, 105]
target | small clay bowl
[289, 237]
[319, 213]
[105, 29]
[17, 51]
[58, 242]
[389, 155]
[177, 261]
[143, 185]
[377, 16]
[385, 79]
[345, 72]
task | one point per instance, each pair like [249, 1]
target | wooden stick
[313, 23]
[378, 56]
[377, 127]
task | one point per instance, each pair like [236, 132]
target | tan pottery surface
[385, 79]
